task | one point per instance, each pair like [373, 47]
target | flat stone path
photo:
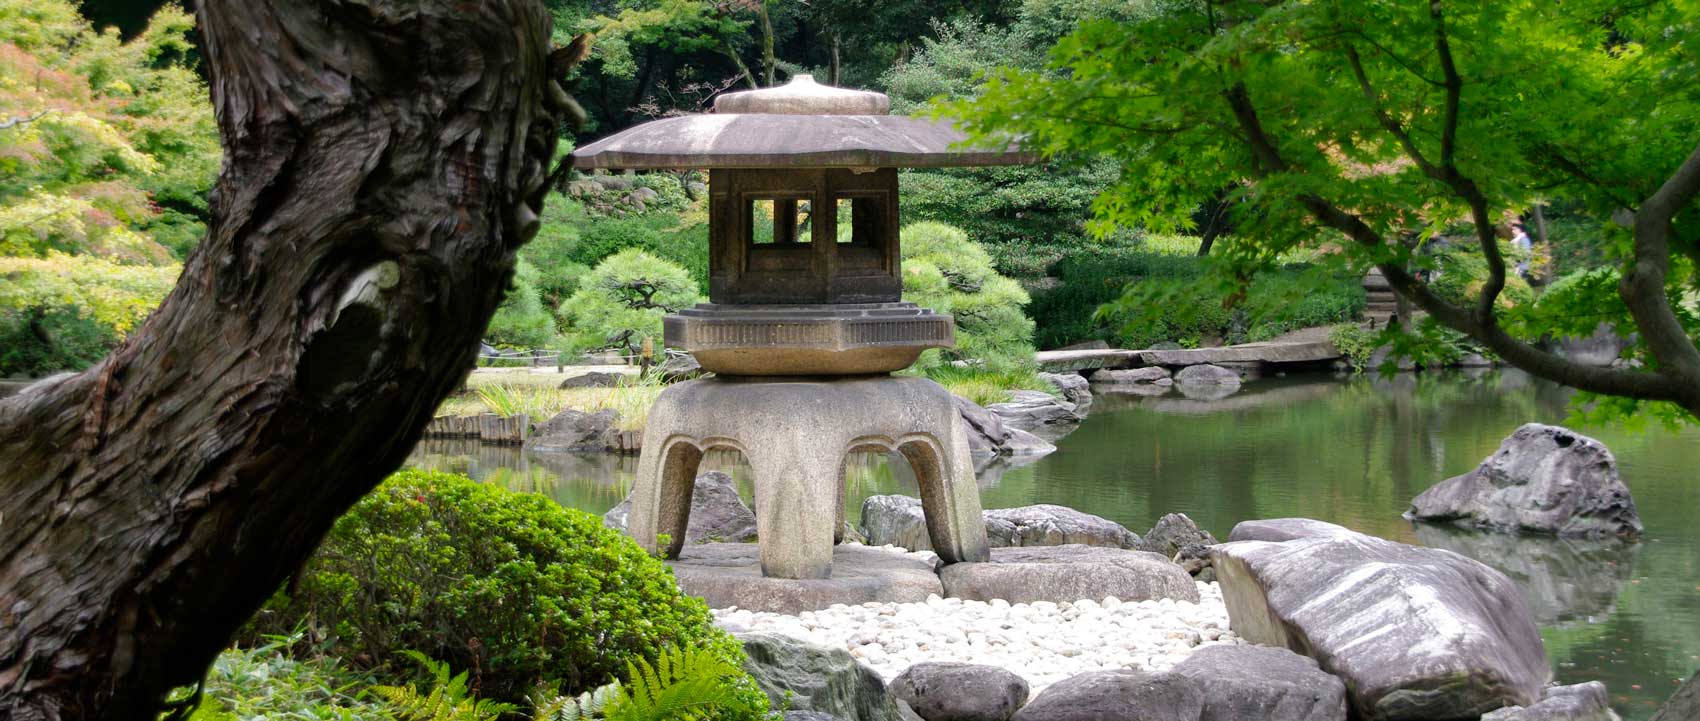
[1309, 345]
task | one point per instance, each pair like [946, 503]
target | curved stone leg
[797, 479]
[661, 494]
[950, 499]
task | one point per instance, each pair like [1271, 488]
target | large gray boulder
[1038, 412]
[1263, 683]
[679, 368]
[1068, 573]
[1051, 525]
[595, 379]
[1578, 702]
[1205, 374]
[1285, 529]
[1124, 695]
[729, 574]
[576, 432]
[988, 437]
[939, 691]
[1543, 479]
[1415, 633]
[1173, 532]
[717, 513]
[816, 678]
[898, 520]
[1073, 388]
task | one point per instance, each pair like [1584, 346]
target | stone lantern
[805, 320]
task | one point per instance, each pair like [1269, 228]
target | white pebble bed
[1043, 642]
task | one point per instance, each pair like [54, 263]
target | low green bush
[511, 586]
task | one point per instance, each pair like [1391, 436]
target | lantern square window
[779, 221]
[860, 218]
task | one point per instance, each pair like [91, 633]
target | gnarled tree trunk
[383, 161]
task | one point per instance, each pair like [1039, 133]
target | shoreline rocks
[1578, 702]
[1074, 389]
[1264, 683]
[1414, 633]
[898, 521]
[989, 437]
[1543, 479]
[1149, 375]
[1039, 413]
[1207, 374]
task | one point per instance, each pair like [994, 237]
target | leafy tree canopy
[1372, 128]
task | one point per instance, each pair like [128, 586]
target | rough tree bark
[383, 161]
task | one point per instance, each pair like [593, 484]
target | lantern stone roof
[798, 125]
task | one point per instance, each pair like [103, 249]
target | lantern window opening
[859, 217]
[778, 220]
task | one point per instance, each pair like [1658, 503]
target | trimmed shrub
[945, 271]
[624, 298]
[515, 588]
[521, 321]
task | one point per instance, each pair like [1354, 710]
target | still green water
[1349, 451]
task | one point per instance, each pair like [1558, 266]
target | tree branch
[1453, 83]
[1620, 382]
[1643, 287]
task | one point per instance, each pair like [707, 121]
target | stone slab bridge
[1275, 354]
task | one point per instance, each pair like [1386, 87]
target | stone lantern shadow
[805, 322]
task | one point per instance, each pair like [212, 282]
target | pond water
[1350, 451]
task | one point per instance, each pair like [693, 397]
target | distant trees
[1374, 129]
[107, 150]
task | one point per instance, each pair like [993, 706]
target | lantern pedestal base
[796, 435]
[808, 340]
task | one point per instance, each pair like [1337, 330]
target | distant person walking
[1525, 249]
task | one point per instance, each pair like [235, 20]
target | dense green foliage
[106, 155]
[622, 301]
[508, 585]
[1374, 129]
[945, 271]
[269, 681]
[1157, 291]
[522, 321]
[1027, 216]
